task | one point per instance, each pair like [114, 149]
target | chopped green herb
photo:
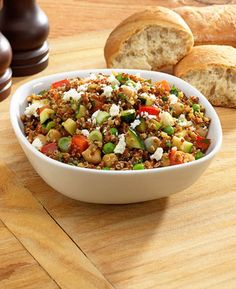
[122, 96]
[42, 92]
[199, 155]
[164, 98]
[121, 78]
[174, 91]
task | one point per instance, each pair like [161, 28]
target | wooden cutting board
[49, 241]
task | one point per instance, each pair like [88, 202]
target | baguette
[214, 24]
[212, 70]
[150, 39]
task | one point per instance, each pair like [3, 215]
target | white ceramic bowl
[113, 187]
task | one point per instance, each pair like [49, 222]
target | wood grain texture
[185, 241]
[44, 239]
[16, 264]
[72, 17]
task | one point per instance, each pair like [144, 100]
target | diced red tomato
[164, 85]
[202, 143]
[60, 83]
[49, 148]
[149, 109]
[80, 142]
[175, 158]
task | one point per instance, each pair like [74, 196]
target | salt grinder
[5, 71]
[26, 27]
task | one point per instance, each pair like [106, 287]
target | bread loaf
[150, 40]
[212, 70]
[214, 24]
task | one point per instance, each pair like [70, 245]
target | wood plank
[43, 238]
[93, 15]
[16, 263]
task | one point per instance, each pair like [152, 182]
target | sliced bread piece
[151, 39]
[215, 24]
[212, 70]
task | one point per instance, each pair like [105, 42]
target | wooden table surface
[48, 241]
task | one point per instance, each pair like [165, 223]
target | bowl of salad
[115, 136]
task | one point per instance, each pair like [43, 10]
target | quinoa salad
[116, 122]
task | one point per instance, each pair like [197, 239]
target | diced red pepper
[175, 158]
[49, 148]
[202, 143]
[164, 85]
[80, 143]
[149, 109]
[60, 83]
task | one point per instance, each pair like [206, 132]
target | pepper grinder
[26, 27]
[5, 71]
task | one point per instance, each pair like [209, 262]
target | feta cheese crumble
[157, 154]
[94, 115]
[32, 109]
[182, 121]
[82, 87]
[37, 143]
[173, 99]
[148, 96]
[107, 90]
[135, 123]
[114, 110]
[72, 94]
[92, 76]
[166, 118]
[120, 147]
[85, 132]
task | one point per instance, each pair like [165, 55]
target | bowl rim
[68, 74]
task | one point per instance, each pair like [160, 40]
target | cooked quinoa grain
[116, 122]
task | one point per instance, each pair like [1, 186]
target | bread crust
[214, 24]
[201, 57]
[159, 16]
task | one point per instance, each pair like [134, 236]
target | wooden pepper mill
[26, 27]
[5, 71]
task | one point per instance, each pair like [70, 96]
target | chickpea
[178, 108]
[128, 91]
[110, 159]
[152, 143]
[92, 154]
[42, 138]
[53, 135]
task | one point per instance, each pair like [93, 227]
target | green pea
[196, 107]
[64, 143]
[169, 130]
[108, 148]
[114, 131]
[199, 155]
[106, 168]
[138, 167]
